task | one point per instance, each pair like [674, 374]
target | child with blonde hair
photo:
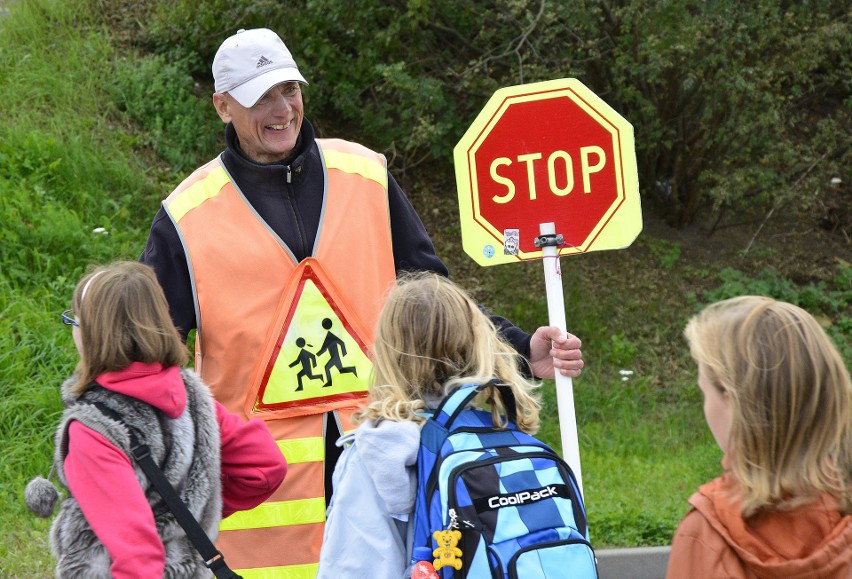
[778, 401]
[114, 523]
[431, 338]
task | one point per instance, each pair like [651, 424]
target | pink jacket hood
[169, 395]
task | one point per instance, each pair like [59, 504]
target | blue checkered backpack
[496, 502]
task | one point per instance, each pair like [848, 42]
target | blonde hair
[123, 318]
[791, 401]
[432, 337]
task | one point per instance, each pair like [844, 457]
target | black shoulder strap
[213, 558]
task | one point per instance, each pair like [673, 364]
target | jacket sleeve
[102, 480]
[412, 248]
[253, 466]
[361, 538]
[516, 337]
[164, 252]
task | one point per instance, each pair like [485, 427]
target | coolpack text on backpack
[496, 502]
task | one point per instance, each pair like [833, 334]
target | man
[282, 249]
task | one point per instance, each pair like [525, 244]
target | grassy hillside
[94, 135]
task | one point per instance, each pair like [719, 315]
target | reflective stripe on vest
[288, 572]
[357, 164]
[238, 268]
[279, 514]
[302, 449]
[198, 193]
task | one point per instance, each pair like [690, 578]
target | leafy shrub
[735, 105]
[832, 306]
[158, 94]
[621, 351]
[667, 252]
[770, 283]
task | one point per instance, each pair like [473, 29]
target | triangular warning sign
[319, 359]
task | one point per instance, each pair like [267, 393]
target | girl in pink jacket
[114, 522]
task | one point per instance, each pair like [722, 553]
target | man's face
[268, 130]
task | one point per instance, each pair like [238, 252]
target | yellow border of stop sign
[618, 227]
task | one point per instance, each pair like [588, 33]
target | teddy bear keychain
[447, 554]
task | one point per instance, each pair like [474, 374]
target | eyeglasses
[68, 318]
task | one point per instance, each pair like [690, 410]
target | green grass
[65, 170]
[643, 448]
[641, 455]
[92, 140]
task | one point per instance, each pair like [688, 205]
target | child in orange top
[778, 400]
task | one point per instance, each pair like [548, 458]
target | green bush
[832, 306]
[158, 94]
[742, 106]
[667, 252]
[722, 94]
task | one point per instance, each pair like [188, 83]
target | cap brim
[248, 93]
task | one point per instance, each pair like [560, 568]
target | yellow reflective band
[198, 193]
[277, 514]
[303, 449]
[287, 572]
[349, 163]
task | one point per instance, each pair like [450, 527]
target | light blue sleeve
[361, 538]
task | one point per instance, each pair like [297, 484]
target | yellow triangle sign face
[319, 361]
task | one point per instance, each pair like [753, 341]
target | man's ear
[222, 105]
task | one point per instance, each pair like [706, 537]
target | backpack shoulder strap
[457, 400]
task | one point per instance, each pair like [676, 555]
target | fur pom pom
[41, 496]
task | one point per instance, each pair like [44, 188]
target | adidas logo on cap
[263, 62]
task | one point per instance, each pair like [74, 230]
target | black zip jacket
[287, 195]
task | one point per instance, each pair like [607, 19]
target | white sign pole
[564, 384]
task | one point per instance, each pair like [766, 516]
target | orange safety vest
[287, 341]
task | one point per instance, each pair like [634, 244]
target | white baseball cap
[251, 62]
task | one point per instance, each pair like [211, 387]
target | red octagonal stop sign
[546, 152]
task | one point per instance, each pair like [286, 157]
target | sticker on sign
[546, 152]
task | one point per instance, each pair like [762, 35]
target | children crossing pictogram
[333, 346]
[319, 358]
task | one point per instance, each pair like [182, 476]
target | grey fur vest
[186, 449]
